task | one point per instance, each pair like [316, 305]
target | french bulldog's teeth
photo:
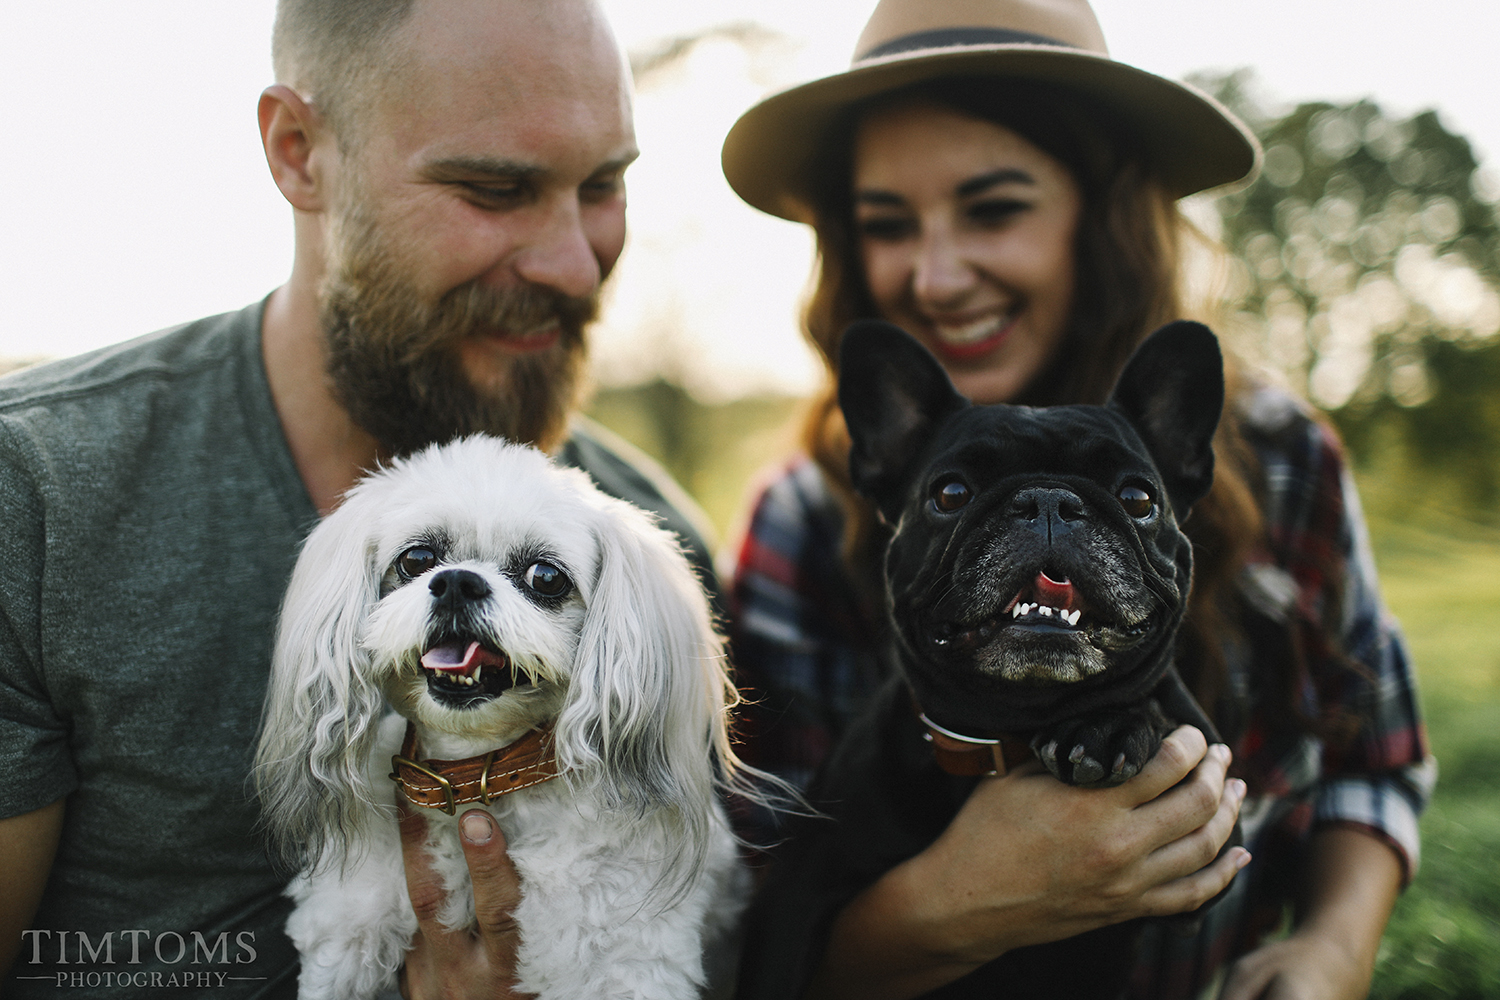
[478, 668]
[1072, 619]
[1018, 611]
[1045, 610]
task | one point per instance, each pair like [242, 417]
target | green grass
[1444, 585]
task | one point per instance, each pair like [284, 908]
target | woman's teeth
[970, 333]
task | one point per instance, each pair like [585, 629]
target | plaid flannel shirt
[804, 646]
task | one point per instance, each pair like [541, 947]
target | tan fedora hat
[1193, 141]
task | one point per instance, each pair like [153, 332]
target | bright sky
[137, 195]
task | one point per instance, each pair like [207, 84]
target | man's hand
[460, 963]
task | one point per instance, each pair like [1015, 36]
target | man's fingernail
[477, 828]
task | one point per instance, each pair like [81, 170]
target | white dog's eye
[415, 561]
[547, 580]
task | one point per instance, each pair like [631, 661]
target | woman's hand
[1029, 860]
[457, 963]
[1299, 967]
[1353, 879]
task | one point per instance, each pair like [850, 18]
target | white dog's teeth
[1074, 619]
[478, 668]
[1016, 612]
[1045, 610]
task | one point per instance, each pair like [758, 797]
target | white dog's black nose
[455, 588]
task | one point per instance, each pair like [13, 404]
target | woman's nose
[940, 274]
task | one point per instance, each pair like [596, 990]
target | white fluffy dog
[492, 597]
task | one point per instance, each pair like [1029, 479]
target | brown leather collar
[973, 756]
[448, 784]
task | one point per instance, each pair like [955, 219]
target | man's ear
[295, 138]
[894, 394]
[1172, 391]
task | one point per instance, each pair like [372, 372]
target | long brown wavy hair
[1127, 254]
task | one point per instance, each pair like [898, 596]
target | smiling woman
[986, 176]
[965, 232]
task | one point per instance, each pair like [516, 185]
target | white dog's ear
[646, 706]
[324, 703]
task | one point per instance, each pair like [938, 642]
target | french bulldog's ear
[894, 394]
[1172, 391]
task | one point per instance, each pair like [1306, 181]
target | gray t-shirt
[150, 515]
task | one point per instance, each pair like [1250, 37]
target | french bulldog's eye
[415, 561]
[1136, 501]
[950, 495]
[547, 580]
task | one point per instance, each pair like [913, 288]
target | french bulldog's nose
[1048, 510]
[454, 588]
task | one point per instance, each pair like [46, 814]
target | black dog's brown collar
[448, 784]
[973, 756]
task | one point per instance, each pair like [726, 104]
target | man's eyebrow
[468, 168]
[1005, 175]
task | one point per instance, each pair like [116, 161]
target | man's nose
[559, 255]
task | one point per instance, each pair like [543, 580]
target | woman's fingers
[1186, 869]
[1192, 891]
[1182, 751]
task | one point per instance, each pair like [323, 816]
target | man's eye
[602, 189]
[415, 561]
[493, 194]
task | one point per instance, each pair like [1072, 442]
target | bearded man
[456, 172]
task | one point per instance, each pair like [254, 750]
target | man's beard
[393, 358]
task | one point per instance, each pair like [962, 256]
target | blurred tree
[1365, 265]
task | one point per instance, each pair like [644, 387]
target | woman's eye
[415, 561]
[547, 580]
[996, 210]
[884, 228]
[951, 495]
[1136, 501]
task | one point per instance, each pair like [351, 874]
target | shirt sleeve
[34, 751]
[1383, 779]
[803, 647]
[1376, 771]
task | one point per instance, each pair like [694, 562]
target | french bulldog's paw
[1101, 748]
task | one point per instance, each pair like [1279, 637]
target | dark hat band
[943, 38]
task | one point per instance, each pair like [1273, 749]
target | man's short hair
[334, 52]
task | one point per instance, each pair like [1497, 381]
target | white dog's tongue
[451, 656]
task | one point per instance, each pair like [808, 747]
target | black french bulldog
[1036, 577]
